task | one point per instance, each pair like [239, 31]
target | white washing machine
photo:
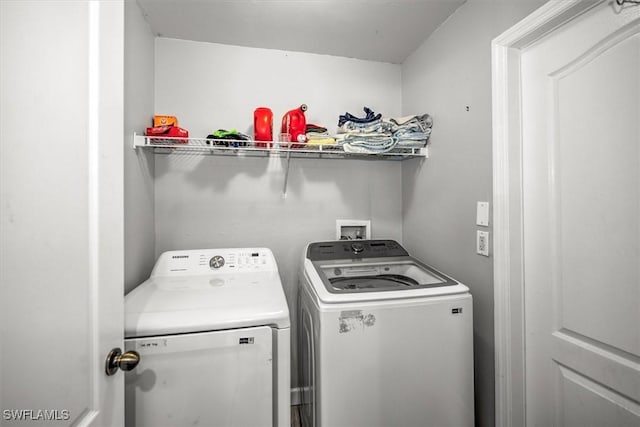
[212, 330]
[385, 340]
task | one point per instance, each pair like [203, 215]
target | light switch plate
[482, 214]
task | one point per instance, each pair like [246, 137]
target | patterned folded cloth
[311, 128]
[231, 138]
[317, 135]
[320, 139]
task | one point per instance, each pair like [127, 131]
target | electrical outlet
[482, 243]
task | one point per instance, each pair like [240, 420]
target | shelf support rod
[286, 172]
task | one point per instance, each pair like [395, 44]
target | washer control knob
[216, 262]
[357, 248]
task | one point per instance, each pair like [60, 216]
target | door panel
[597, 188]
[577, 391]
[607, 366]
[581, 199]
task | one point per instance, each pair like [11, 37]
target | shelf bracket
[286, 174]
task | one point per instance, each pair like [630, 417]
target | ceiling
[386, 31]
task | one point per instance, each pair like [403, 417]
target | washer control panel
[354, 249]
[213, 261]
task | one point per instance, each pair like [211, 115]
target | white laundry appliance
[384, 340]
[213, 333]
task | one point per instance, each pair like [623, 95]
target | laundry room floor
[295, 416]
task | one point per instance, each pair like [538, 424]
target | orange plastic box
[165, 121]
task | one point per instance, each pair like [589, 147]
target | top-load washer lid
[207, 290]
[373, 277]
[374, 266]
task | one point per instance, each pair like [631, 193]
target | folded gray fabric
[423, 121]
[409, 143]
[378, 136]
[373, 144]
[373, 126]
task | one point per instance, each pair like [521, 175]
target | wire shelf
[217, 147]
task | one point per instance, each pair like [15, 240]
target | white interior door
[581, 220]
[61, 211]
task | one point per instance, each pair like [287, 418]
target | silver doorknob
[125, 361]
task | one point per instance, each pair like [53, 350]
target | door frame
[508, 255]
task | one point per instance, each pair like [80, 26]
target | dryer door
[219, 378]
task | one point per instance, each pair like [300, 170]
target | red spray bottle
[263, 126]
[294, 123]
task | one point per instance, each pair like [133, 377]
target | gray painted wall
[209, 202]
[450, 71]
[139, 214]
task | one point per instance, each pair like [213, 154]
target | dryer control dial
[216, 261]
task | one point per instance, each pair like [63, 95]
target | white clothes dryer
[384, 340]
[212, 330]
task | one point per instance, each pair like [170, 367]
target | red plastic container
[169, 131]
[295, 123]
[263, 126]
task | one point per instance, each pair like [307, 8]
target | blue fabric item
[370, 116]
